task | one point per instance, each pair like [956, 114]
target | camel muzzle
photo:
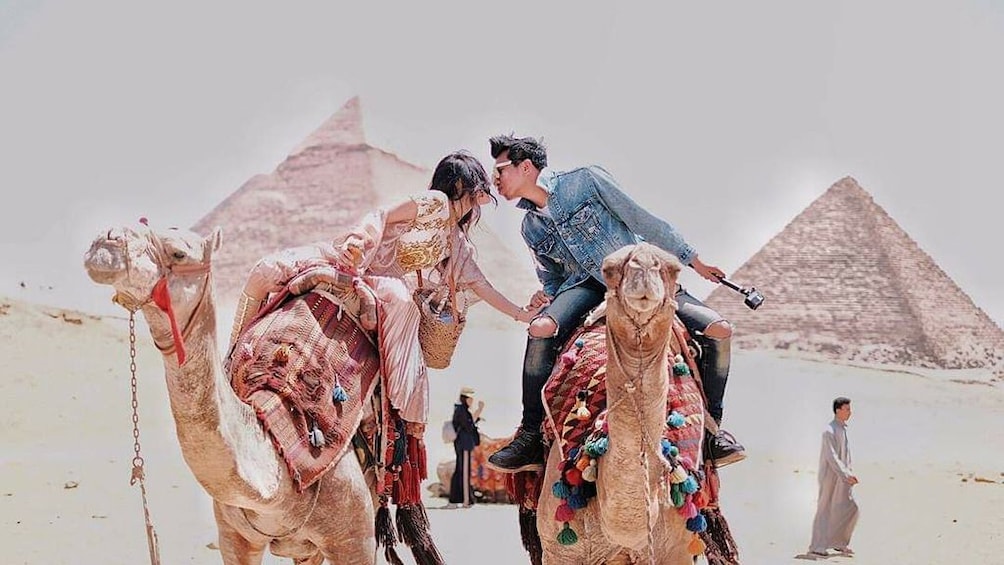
[105, 261]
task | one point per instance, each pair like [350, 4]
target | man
[573, 220]
[836, 510]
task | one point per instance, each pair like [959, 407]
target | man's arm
[833, 460]
[548, 276]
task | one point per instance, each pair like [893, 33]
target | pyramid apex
[344, 127]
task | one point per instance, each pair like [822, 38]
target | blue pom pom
[665, 445]
[597, 447]
[676, 419]
[689, 486]
[681, 369]
[560, 490]
[580, 343]
[697, 524]
[338, 394]
[576, 501]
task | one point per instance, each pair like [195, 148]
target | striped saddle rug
[307, 371]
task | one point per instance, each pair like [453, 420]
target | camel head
[642, 280]
[167, 269]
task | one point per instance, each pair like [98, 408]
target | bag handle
[451, 276]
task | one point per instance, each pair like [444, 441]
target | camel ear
[613, 266]
[216, 238]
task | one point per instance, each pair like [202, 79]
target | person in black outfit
[466, 425]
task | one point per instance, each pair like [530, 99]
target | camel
[631, 520]
[255, 503]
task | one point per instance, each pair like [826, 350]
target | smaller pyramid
[344, 128]
[843, 280]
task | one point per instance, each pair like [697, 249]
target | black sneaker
[524, 453]
[725, 450]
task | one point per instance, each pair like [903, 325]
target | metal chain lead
[137, 460]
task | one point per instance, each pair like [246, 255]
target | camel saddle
[579, 379]
[305, 368]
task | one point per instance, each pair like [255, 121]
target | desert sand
[927, 447]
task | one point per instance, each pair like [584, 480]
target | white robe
[836, 510]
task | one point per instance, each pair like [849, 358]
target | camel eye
[179, 255]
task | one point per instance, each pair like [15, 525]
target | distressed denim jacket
[589, 218]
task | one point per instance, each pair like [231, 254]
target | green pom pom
[567, 536]
[681, 369]
[676, 495]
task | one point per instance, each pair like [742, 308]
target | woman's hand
[526, 314]
[350, 254]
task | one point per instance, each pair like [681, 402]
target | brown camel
[631, 520]
[254, 500]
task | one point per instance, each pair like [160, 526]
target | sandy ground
[927, 448]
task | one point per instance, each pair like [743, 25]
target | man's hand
[481, 405]
[710, 272]
[539, 300]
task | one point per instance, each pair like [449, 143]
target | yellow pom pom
[696, 545]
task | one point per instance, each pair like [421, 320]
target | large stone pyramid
[322, 188]
[845, 281]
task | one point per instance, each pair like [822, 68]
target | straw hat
[466, 391]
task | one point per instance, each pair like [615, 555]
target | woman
[426, 233]
[466, 425]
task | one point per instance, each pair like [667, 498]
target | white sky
[727, 119]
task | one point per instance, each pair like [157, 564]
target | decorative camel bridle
[631, 387]
[161, 297]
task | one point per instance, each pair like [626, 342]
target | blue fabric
[589, 217]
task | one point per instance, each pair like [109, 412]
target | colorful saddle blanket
[305, 369]
[581, 372]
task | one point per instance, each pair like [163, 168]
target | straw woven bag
[441, 322]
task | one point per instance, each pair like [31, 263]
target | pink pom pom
[688, 510]
[564, 513]
[568, 358]
[687, 462]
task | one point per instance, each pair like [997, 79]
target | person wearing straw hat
[466, 425]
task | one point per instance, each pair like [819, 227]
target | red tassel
[417, 454]
[162, 298]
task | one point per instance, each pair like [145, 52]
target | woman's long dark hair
[460, 174]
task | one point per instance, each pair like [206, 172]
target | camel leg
[316, 559]
[235, 549]
[349, 539]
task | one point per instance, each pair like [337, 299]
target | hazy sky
[726, 119]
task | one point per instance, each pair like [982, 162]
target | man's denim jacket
[592, 217]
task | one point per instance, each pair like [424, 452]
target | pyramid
[326, 184]
[844, 281]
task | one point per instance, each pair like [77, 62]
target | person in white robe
[836, 509]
